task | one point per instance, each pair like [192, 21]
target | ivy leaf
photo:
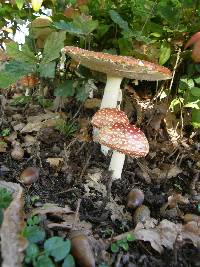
[57, 247]
[5, 198]
[69, 261]
[54, 43]
[44, 261]
[65, 89]
[34, 234]
[47, 70]
[165, 52]
[119, 20]
[19, 3]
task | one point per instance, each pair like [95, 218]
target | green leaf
[54, 43]
[197, 80]
[194, 105]
[114, 248]
[196, 118]
[47, 70]
[13, 71]
[125, 246]
[69, 261]
[68, 26]
[119, 20]
[195, 91]
[165, 52]
[65, 89]
[1, 216]
[125, 46]
[23, 55]
[85, 24]
[5, 198]
[44, 261]
[57, 247]
[19, 3]
[34, 234]
[130, 237]
[32, 252]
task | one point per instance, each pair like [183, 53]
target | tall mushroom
[116, 68]
[124, 139]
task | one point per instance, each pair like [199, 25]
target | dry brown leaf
[55, 162]
[166, 233]
[12, 242]
[166, 171]
[92, 103]
[52, 209]
[3, 146]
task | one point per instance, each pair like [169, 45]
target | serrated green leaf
[19, 3]
[119, 20]
[69, 261]
[195, 91]
[54, 43]
[23, 55]
[44, 261]
[5, 198]
[13, 71]
[165, 52]
[57, 247]
[34, 234]
[65, 89]
[47, 70]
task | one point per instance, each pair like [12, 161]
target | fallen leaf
[12, 242]
[92, 103]
[55, 162]
[49, 208]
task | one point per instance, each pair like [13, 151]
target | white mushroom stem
[112, 94]
[116, 164]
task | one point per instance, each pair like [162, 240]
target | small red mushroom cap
[109, 116]
[126, 139]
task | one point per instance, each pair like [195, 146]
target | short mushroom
[124, 139]
[116, 68]
[107, 117]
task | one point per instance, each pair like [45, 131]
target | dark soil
[66, 185]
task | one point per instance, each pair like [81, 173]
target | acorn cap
[119, 66]
[126, 139]
[109, 116]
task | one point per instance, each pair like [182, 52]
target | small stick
[76, 214]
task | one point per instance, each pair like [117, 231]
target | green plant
[66, 128]
[45, 252]
[5, 132]
[122, 243]
[5, 200]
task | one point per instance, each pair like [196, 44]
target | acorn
[142, 214]
[17, 153]
[81, 249]
[29, 176]
[135, 198]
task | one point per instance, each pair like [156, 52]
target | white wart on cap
[126, 139]
[109, 116]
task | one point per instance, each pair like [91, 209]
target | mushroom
[107, 117]
[124, 139]
[116, 68]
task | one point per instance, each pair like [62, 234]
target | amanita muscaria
[124, 139]
[116, 68]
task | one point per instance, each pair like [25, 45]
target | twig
[76, 214]
[85, 167]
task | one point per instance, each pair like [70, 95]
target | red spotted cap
[119, 66]
[126, 139]
[109, 116]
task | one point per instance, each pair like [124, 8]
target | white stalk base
[116, 164]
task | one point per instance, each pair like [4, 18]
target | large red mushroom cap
[109, 116]
[126, 139]
[119, 66]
